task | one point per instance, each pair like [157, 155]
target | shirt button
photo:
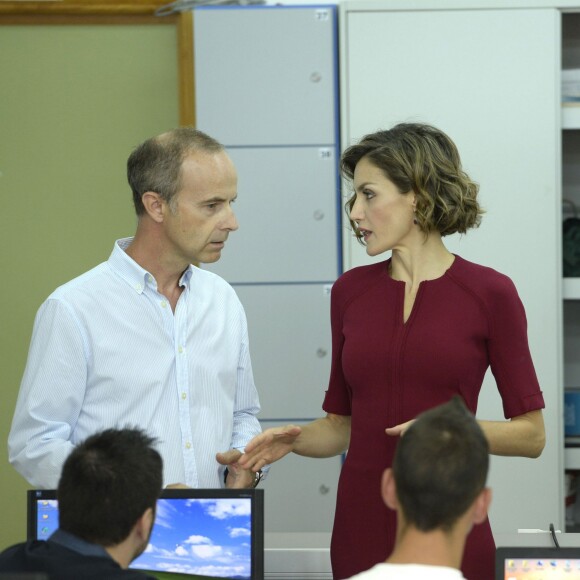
[138, 287]
[180, 349]
[188, 445]
[163, 304]
[184, 396]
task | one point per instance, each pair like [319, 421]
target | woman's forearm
[325, 437]
[522, 436]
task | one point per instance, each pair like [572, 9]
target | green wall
[74, 101]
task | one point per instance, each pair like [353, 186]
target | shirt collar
[78, 545]
[136, 276]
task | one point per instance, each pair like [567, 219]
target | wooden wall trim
[186, 76]
[92, 19]
[92, 7]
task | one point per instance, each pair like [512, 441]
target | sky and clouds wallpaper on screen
[205, 537]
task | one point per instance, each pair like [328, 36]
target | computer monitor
[525, 563]
[203, 533]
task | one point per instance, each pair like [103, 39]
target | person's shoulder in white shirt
[386, 571]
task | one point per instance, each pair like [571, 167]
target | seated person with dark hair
[107, 494]
[437, 487]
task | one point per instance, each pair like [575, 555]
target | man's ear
[389, 489]
[154, 206]
[481, 505]
[144, 524]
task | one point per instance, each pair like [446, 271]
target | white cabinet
[487, 73]
[266, 80]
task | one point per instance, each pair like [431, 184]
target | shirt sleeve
[509, 352]
[338, 395]
[50, 397]
[247, 404]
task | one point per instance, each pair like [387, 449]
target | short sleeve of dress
[338, 396]
[509, 351]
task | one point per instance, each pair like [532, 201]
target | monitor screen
[204, 533]
[523, 563]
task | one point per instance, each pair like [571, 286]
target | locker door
[300, 493]
[267, 75]
[289, 328]
[287, 212]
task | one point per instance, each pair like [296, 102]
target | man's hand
[238, 477]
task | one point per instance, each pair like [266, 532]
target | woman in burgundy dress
[408, 334]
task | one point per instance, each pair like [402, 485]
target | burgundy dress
[385, 372]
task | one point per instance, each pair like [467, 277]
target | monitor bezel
[504, 553]
[256, 495]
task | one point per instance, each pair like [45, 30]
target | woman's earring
[415, 216]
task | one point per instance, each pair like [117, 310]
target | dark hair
[107, 483]
[422, 159]
[155, 165]
[440, 466]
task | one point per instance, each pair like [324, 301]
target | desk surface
[539, 539]
[302, 556]
[293, 540]
[297, 556]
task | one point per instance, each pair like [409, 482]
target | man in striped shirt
[147, 338]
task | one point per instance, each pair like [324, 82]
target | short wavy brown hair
[420, 158]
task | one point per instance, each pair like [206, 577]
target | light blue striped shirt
[108, 351]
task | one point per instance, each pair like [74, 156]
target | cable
[553, 532]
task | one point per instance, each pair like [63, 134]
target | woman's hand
[269, 446]
[522, 436]
[399, 429]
